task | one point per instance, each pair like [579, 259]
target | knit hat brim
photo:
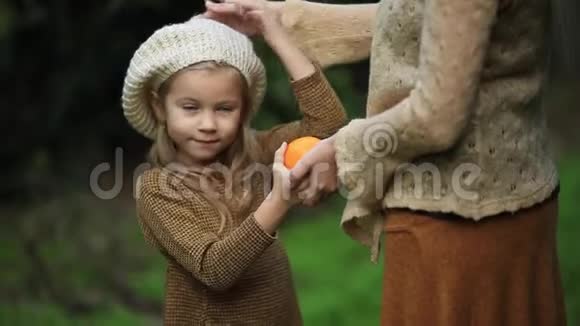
[174, 47]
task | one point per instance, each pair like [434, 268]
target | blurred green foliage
[62, 65]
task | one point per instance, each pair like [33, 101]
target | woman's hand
[261, 17]
[250, 17]
[318, 167]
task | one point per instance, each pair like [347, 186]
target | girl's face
[203, 111]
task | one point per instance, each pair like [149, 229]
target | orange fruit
[297, 148]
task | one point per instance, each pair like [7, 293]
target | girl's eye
[190, 108]
[225, 109]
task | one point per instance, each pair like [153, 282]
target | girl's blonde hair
[236, 158]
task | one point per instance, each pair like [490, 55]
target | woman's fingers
[310, 196]
[248, 4]
[254, 15]
[234, 6]
[245, 16]
[305, 184]
[225, 8]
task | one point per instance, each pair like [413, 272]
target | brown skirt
[449, 271]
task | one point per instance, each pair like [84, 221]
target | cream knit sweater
[454, 115]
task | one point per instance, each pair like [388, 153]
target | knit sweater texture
[455, 121]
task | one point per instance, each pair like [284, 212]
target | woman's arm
[333, 34]
[454, 42]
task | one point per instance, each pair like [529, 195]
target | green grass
[47, 314]
[336, 282]
[568, 236]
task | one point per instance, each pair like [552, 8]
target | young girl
[192, 88]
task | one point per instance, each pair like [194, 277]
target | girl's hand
[250, 17]
[273, 210]
[281, 189]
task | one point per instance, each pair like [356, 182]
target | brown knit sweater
[241, 276]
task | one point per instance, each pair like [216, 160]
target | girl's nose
[208, 122]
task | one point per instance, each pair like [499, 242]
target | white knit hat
[177, 46]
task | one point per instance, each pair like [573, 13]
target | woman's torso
[504, 146]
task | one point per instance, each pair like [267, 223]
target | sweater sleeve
[333, 34]
[322, 115]
[454, 39]
[187, 232]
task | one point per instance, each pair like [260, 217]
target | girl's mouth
[210, 141]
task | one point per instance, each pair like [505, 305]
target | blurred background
[72, 252]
